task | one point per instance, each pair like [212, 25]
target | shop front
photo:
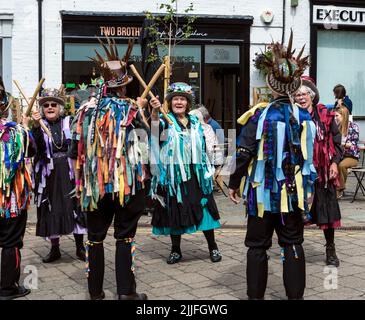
[6, 25]
[214, 60]
[338, 50]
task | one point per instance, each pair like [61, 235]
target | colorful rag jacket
[327, 145]
[352, 137]
[275, 153]
[180, 152]
[112, 150]
[43, 161]
[15, 180]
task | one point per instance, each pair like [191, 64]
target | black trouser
[290, 238]
[11, 241]
[125, 226]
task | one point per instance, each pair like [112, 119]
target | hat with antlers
[285, 70]
[112, 68]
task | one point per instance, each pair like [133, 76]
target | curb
[244, 227]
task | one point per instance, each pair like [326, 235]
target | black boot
[53, 255]
[175, 254]
[96, 271]
[100, 296]
[331, 257]
[10, 275]
[80, 249]
[133, 296]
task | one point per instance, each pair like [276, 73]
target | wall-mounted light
[267, 16]
[294, 3]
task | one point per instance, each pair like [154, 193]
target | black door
[220, 94]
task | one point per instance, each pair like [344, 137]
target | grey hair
[62, 110]
[309, 90]
[204, 111]
[198, 114]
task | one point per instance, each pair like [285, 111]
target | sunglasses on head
[51, 104]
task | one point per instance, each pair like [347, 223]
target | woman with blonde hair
[350, 139]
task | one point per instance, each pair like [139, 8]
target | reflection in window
[78, 68]
[340, 59]
[1, 57]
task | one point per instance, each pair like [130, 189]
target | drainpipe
[283, 33]
[40, 53]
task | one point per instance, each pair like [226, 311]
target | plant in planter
[261, 58]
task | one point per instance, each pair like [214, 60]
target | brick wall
[25, 29]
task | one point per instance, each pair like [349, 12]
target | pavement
[196, 277]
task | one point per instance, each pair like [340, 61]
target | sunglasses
[52, 104]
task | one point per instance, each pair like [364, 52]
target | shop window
[1, 57]
[78, 68]
[222, 54]
[340, 59]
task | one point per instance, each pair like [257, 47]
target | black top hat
[113, 69]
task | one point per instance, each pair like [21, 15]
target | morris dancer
[183, 180]
[16, 144]
[57, 212]
[274, 152]
[112, 173]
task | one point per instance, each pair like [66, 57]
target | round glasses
[52, 104]
[299, 95]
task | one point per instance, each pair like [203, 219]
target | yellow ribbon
[242, 120]
[284, 200]
[303, 140]
[300, 191]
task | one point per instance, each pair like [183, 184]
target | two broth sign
[334, 16]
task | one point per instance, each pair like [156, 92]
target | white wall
[25, 33]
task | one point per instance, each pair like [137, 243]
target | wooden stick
[18, 111]
[10, 102]
[41, 122]
[166, 79]
[144, 85]
[30, 106]
[153, 80]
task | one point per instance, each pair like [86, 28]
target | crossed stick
[31, 103]
[147, 88]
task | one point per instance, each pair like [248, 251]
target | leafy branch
[166, 27]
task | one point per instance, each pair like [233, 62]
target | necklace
[54, 143]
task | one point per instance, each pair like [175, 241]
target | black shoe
[81, 253]
[53, 255]
[215, 255]
[20, 291]
[174, 257]
[100, 296]
[133, 296]
[331, 257]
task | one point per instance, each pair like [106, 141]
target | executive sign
[334, 15]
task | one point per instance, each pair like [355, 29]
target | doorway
[220, 94]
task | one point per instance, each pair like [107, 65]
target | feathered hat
[285, 70]
[113, 69]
